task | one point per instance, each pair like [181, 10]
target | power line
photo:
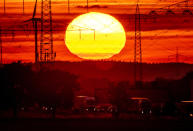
[182, 4]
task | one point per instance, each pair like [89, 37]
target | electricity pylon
[137, 49]
[46, 44]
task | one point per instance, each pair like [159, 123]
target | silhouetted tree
[55, 87]
[119, 97]
[14, 78]
[21, 85]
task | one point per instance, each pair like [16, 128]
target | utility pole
[46, 44]
[177, 55]
[35, 23]
[137, 49]
[177, 62]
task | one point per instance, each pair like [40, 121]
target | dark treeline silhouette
[119, 98]
[177, 89]
[21, 86]
[163, 93]
[123, 71]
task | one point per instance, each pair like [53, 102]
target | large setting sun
[95, 36]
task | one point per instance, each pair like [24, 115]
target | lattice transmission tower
[46, 44]
[137, 49]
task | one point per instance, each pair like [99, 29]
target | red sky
[160, 38]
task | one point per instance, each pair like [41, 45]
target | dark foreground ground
[94, 125]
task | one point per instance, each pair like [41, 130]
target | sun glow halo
[95, 36]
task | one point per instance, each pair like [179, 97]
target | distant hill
[99, 76]
[122, 71]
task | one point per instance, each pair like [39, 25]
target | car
[83, 104]
[185, 109]
[103, 108]
[140, 105]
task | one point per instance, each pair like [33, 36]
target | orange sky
[159, 39]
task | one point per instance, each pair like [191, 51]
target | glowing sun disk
[95, 36]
